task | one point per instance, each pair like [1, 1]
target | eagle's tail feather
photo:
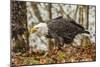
[87, 32]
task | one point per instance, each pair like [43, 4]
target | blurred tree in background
[19, 26]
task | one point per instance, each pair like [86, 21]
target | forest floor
[67, 55]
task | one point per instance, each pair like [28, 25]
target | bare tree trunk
[49, 10]
[87, 16]
[81, 16]
[63, 12]
[19, 25]
[36, 12]
[75, 14]
[84, 21]
[81, 22]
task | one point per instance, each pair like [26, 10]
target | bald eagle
[62, 30]
[37, 40]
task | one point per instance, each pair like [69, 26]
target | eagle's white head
[40, 28]
[37, 39]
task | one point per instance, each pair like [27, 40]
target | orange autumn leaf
[42, 61]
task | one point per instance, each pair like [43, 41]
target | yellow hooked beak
[33, 30]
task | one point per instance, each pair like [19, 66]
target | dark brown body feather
[64, 30]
